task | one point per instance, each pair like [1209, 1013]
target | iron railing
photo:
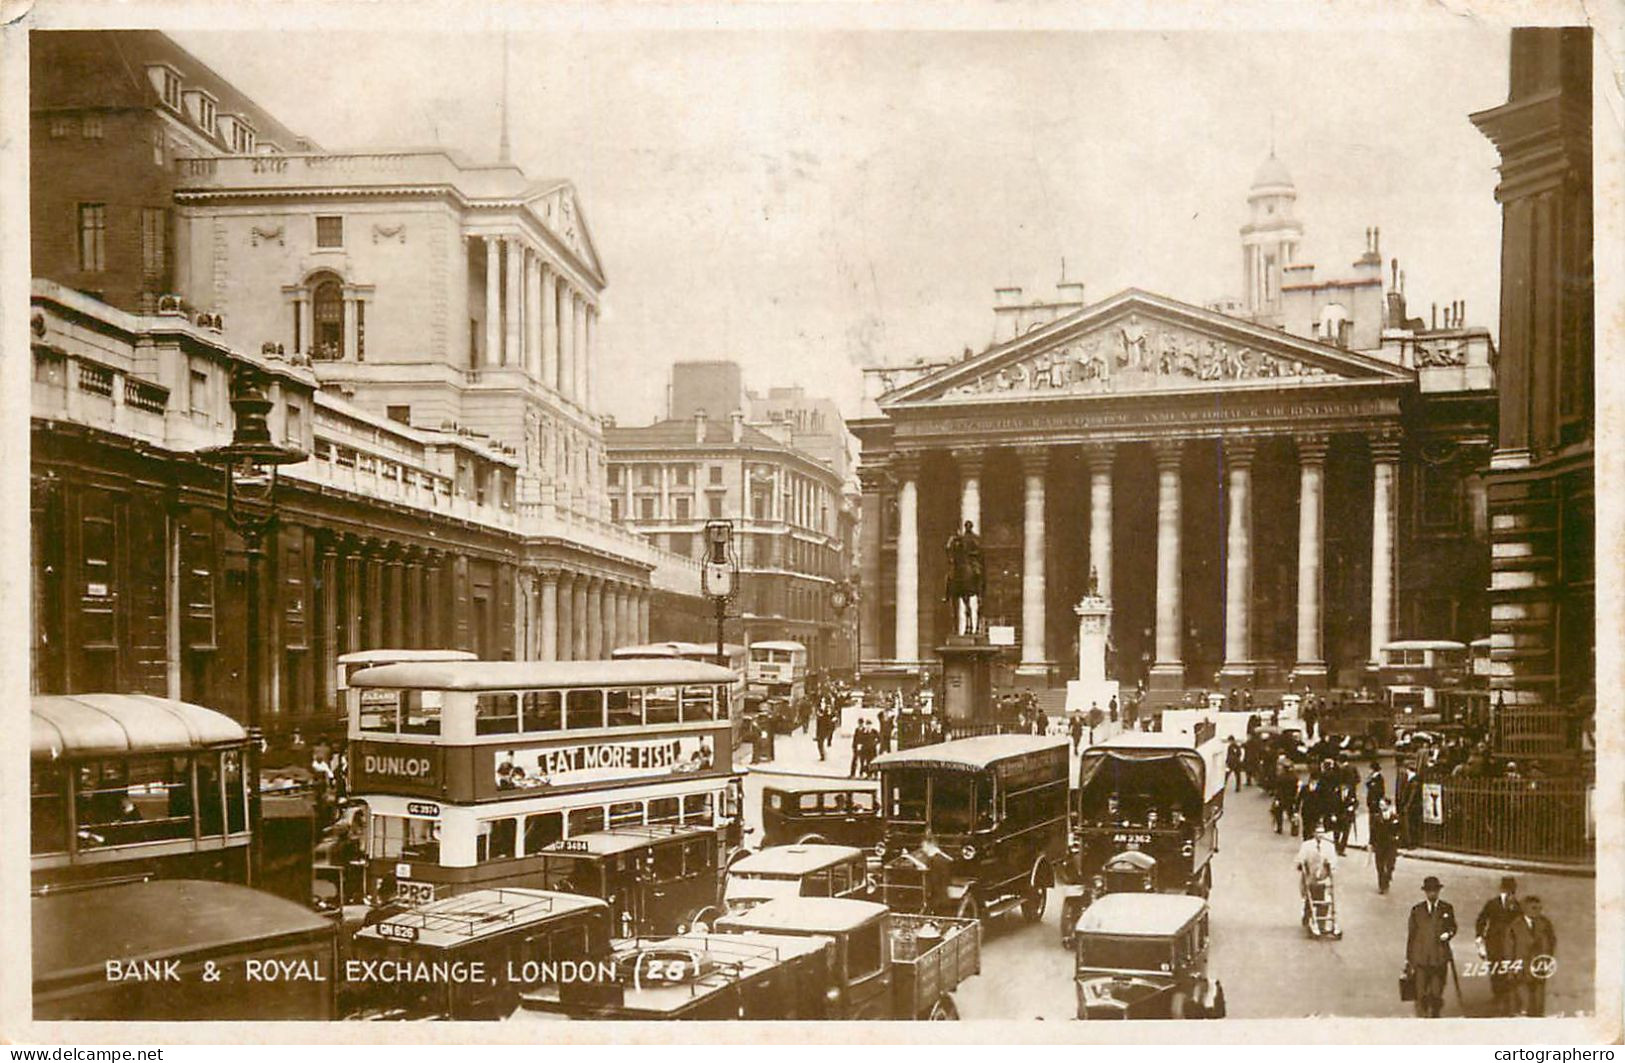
[1520, 818]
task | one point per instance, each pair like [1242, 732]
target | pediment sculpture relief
[1132, 355]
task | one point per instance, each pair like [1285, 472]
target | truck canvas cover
[1141, 754]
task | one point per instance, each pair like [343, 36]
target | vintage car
[975, 826]
[798, 871]
[834, 811]
[1127, 872]
[1144, 956]
[795, 958]
[656, 879]
[1158, 795]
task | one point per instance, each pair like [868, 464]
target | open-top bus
[472, 771]
[778, 669]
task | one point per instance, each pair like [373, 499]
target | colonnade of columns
[1168, 666]
[581, 616]
[538, 318]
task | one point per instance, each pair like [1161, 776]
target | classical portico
[1231, 487]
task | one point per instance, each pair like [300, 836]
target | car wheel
[944, 1010]
[968, 908]
[1033, 905]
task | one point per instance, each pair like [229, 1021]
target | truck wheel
[944, 1010]
[968, 908]
[1033, 905]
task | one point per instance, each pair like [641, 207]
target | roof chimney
[738, 418]
[699, 427]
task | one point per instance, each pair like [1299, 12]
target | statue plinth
[967, 680]
[1092, 689]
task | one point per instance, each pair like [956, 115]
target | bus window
[542, 829]
[420, 712]
[231, 767]
[496, 714]
[543, 711]
[697, 809]
[668, 862]
[583, 708]
[699, 856]
[208, 789]
[405, 838]
[380, 710]
[840, 879]
[626, 814]
[625, 707]
[586, 820]
[47, 809]
[663, 810]
[660, 705]
[496, 840]
[699, 703]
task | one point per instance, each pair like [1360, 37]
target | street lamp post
[251, 461]
[719, 578]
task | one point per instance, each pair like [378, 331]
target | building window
[360, 331]
[646, 509]
[172, 89]
[92, 237]
[683, 473]
[329, 231]
[401, 414]
[154, 242]
[197, 395]
[205, 114]
[646, 476]
[327, 319]
[682, 508]
[614, 511]
[292, 424]
[91, 129]
[61, 127]
[614, 475]
[714, 505]
[716, 474]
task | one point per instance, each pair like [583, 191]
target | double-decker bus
[471, 771]
[737, 658]
[1413, 672]
[130, 786]
[778, 669]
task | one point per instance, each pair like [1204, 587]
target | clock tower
[1269, 240]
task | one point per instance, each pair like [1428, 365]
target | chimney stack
[738, 419]
[1435, 324]
[699, 427]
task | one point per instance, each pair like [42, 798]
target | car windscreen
[905, 795]
[1125, 953]
[760, 887]
[953, 801]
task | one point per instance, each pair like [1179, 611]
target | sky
[810, 201]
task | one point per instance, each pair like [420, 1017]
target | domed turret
[1269, 240]
[1272, 174]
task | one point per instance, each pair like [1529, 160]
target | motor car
[657, 879]
[798, 871]
[822, 811]
[1145, 956]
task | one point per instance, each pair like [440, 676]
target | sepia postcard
[1081, 524]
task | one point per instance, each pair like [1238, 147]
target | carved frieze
[1134, 354]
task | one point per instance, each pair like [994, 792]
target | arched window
[327, 317]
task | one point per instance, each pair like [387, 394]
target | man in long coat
[1529, 938]
[1427, 947]
[1490, 930]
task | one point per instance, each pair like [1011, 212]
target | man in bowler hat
[1427, 947]
[1494, 918]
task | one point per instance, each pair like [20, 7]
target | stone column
[430, 595]
[349, 337]
[512, 297]
[1034, 462]
[549, 639]
[492, 355]
[970, 462]
[327, 563]
[906, 470]
[550, 325]
[533, 315]
[1100, 516]
[578, 345]
[644, 598]
[566, 317]
[580, 619]
[593, 620]
[1311, 664]
[1238, 563]
[1168, 673]
[589, 355]
[1384, 472]
[567, 617]
[374, 606]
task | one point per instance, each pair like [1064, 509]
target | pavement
[1269, 966]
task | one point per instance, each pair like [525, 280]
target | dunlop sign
[398, 768]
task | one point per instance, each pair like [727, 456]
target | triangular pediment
[560, 211]
[1136, 342]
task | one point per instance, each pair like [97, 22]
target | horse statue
[966, 580]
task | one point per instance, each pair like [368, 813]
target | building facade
[1542, 478]
[667, 479]
[1260, 506]
[429, 327]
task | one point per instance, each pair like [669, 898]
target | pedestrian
[1075, 725]
[824, 731]
[1427, 947]
[1316, 865]
[1111, 709]
[1284, 803]
[1232, 762]
[888, 724]
[1347, 788]
[1409, 790]
[1383, 825]
[1376, 787]
[1531, 938]
[1490, 935]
